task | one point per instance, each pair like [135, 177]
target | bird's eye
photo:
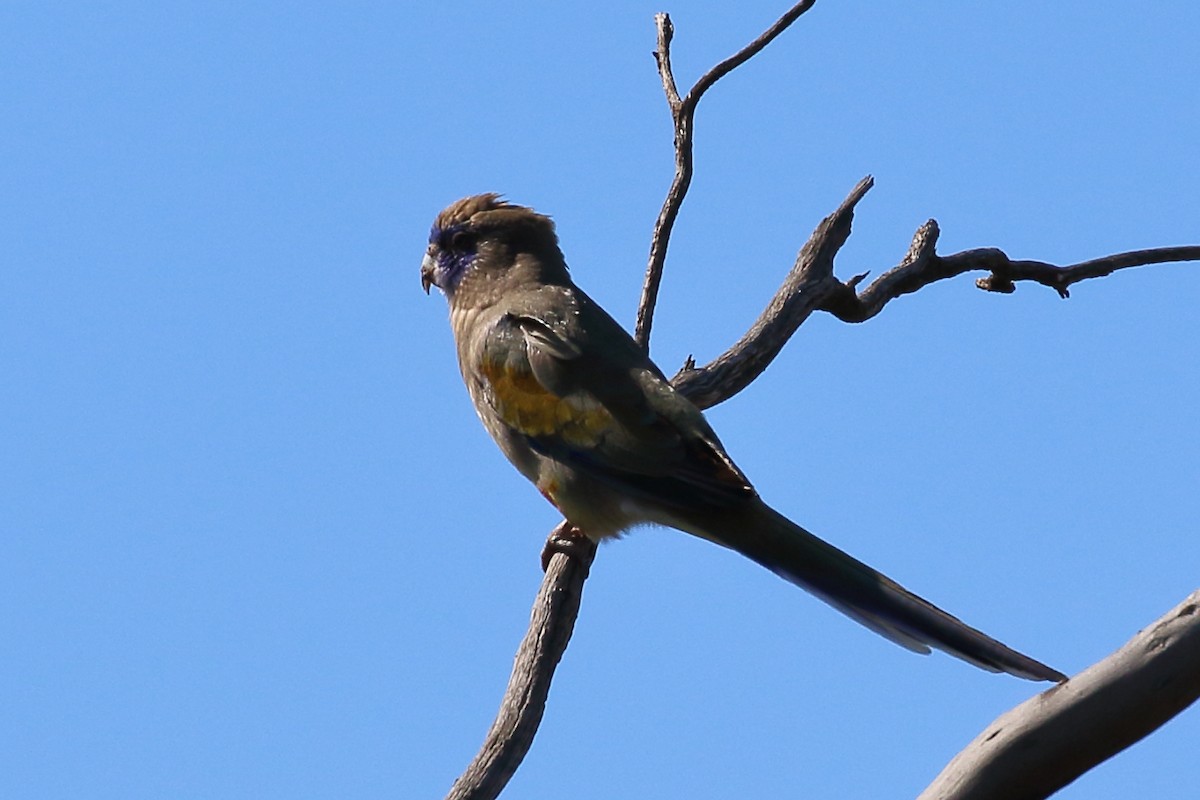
[462, 241]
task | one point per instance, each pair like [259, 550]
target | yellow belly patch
[526, 405]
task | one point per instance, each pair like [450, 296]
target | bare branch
[550, 626]
[809, 286]
[1050, 740]
[1004, 272]
[662, 56]
[683, 113]
[746, 53]
[923, 266]
[679, 185]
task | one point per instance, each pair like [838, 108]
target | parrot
[578, 407]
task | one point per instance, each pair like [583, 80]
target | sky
[255, 544]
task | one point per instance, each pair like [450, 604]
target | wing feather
[605, 410]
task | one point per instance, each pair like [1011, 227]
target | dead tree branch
[809, 286]
[1050, 740]
[550, 626]
[922, 266]
[683, 115]
[812, 286]
[1164, 659]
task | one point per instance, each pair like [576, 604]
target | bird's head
[486, 237]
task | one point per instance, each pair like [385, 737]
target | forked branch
[812, 286]
[683, 115]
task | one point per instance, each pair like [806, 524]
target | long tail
[873, 599]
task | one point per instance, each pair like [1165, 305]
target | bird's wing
[579, 391]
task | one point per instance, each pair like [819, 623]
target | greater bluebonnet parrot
[583, 413]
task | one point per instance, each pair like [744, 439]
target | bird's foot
[571, 542]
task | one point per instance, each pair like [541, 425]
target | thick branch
[683, 113]
[1050, 740]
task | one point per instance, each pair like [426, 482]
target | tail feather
[861, 593]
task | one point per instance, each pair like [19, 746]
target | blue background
[253, 542]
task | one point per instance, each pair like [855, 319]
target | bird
[578, 407]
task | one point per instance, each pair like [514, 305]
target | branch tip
[857, 279]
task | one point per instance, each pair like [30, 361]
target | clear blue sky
[254, 543]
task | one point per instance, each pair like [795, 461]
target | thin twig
[1050, 740]
[683, 114]
[747, 52]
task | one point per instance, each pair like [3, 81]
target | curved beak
[428, 270]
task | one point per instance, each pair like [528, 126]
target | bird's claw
[571, 542]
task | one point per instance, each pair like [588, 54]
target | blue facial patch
[452, 263]
[443, 237]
